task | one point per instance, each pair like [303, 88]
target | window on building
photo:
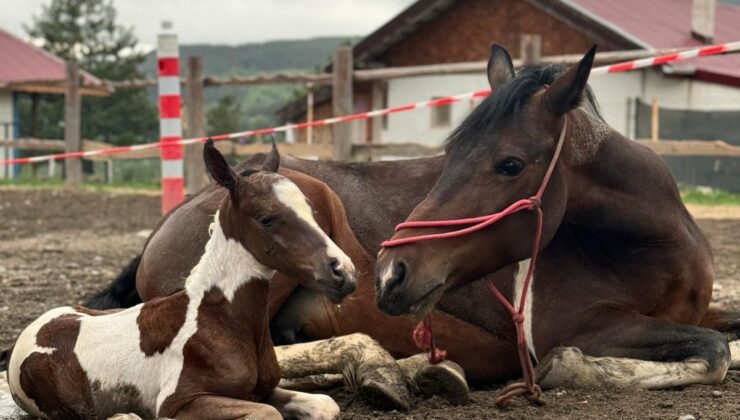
[441, 115]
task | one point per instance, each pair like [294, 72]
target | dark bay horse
[203, 352]
[621, 292]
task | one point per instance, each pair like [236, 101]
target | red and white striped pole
[170, 128]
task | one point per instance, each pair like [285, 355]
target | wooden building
[448, 31]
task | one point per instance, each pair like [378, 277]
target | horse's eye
[510, 166]
[266, 221]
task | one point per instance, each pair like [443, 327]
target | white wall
[6, 116]
[415, 126]
[614, 93]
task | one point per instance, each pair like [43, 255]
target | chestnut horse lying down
[203, 352]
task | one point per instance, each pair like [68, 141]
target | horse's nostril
[338, 274]
[399, 275]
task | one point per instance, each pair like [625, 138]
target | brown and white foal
[203, 352]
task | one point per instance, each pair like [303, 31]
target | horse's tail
[121, 293]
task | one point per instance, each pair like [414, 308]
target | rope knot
[518, 318]
[424, 340]
[534, 203]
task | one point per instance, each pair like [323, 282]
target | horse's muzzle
[336, 282]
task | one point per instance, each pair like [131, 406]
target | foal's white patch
[520, 276]
[108, 347]
[26, 346]
[291, 196]
[386, 275]
[304, 406]
[226, 264]
[568, 367]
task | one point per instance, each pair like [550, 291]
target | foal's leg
[635, 351]
[366, 366]
[727, 322]
[223, 408]
[303, 406]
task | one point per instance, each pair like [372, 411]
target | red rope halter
[423, 333]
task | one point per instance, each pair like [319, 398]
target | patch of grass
[708, 196]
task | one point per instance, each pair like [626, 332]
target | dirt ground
[58, 247]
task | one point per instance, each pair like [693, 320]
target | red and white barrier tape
[612, 68]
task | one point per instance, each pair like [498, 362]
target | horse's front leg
[303, 406]
[629, 350]
[364, 364]
[728, 323]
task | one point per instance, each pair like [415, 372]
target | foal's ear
[272, 161]
[219, 168]
[500, 68]
[565, 93]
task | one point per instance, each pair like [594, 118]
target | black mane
[507, 101]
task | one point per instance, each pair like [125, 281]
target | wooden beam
[654, 119]
[691, 147]
[72, 139]
[363, 152]
[195, 169]
[281, 77]
[391, 72]
[343, 102]
[479, 67]
[530, 49]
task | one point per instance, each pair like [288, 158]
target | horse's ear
[566, 91]
[272, 161]
[500, 68]
[219, 168]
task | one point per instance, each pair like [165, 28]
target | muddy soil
[59, 247]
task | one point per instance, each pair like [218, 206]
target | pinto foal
[203, 352]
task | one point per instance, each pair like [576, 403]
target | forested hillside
[254, 105]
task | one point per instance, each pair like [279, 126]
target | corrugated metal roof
[22, 63]
[667, 24]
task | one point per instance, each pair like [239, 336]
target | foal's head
[271, 218]
[497, 156]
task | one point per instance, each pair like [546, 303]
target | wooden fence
[342, 77]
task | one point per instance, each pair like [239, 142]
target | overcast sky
[232, 21]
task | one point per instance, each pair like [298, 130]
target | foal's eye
[510, 166]
[266, 221]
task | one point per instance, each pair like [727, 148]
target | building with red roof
[27, 69]
[448, 31]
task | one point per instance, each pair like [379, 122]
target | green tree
[86, 31]
[223, 117]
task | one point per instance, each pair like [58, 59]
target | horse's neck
[615, 185]
[228, 275]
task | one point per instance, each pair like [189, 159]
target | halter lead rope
[423, 335]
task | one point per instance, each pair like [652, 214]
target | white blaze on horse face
[24, 347]
[387, 273]
[291, 196]
[520, 276]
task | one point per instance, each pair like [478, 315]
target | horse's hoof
[445, 379]
[383, 396]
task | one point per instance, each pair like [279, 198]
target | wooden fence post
[72, 138]
[195, 169]
[309, 113]
[654, 120]
[530, 49]
[343, 102]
